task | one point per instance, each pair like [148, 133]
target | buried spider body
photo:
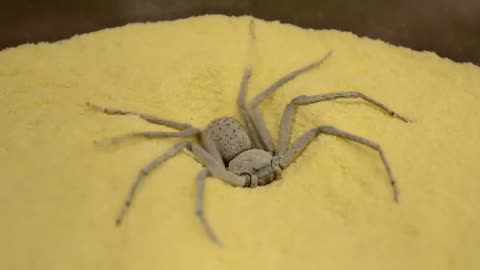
[237, 152]
[245, 157]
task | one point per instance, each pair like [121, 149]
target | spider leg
[217, 169]
[150, 134]
[210, 146]
[287, 118]
[144, 172]
[201, 176]
[149, 118]
[252, 132]
[257, 116]
[299, 145]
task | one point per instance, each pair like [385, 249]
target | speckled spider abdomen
[229, 136]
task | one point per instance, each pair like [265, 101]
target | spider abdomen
[229, 136]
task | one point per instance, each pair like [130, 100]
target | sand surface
[333, 208]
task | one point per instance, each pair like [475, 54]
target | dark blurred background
[448, 27]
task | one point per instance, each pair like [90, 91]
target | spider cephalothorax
[246, 157]
[258, 165]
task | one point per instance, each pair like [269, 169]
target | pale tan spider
[245, 157]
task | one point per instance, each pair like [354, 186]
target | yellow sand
[333, 209]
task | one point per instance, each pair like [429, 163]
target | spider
[245, 157]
